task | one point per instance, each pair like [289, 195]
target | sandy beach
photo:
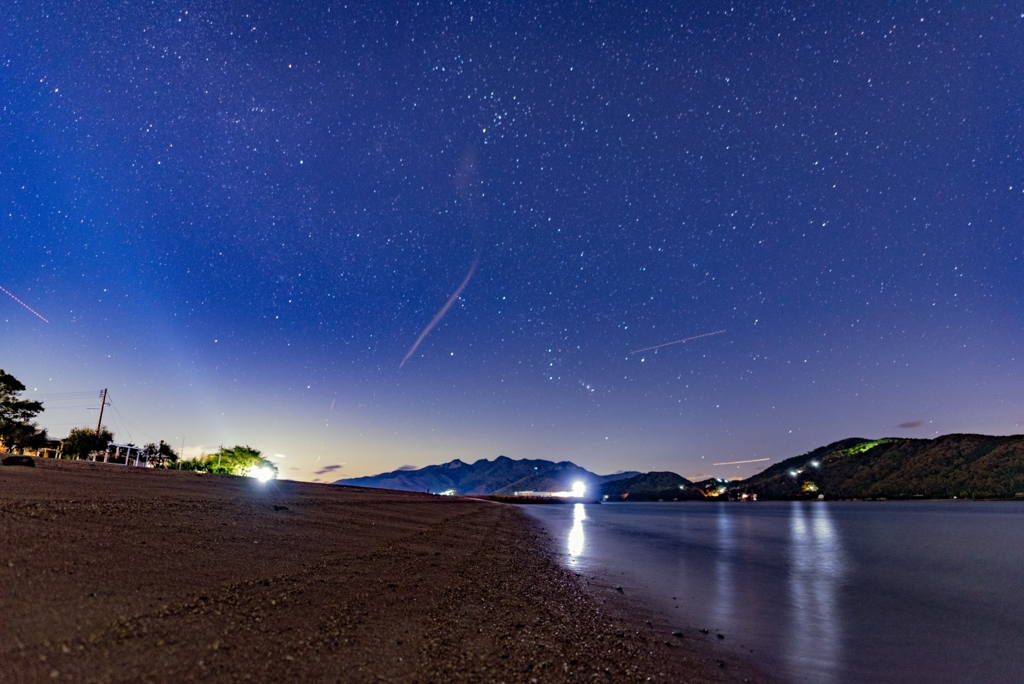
[111, 574]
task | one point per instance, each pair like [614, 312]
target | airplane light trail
[667, 344]
[753, 460]
[24, 305]
[444, 309]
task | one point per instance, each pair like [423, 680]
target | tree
[81, 442]
[238, 460]
[160, 455]
[27, 437]
[17, 430]
[165, 454]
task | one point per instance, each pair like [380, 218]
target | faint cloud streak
[444, 309]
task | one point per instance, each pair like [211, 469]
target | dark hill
[503, 475]
[558, 478]
[958, 465]
[653, 486]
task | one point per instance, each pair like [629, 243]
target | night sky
[240, 217]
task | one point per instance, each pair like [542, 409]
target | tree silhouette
[160, 456]
[17, 431]
[81, 442]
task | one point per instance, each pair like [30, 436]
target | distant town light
[578, 489]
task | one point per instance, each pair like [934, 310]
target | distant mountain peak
[502, 475]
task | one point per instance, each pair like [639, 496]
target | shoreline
[719, 660]
[125, 574]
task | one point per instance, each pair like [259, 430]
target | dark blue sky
[239, 217]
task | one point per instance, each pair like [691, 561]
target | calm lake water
[822, 592]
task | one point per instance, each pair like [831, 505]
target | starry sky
[241, 217]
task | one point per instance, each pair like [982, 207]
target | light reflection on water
[821, 592]
[575, 541]
[817, 569]
[724, 562]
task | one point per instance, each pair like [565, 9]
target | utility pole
[103, 402]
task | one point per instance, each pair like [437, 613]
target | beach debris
[678, 635]
[720, 636]
[20, 461]
[619, 589]
[704, 630]
[280, 508]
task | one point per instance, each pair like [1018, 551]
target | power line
[79, 406]
[66, 401]
[127, 422]
[113, 419]
[65, 396]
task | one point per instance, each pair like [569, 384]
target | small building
[115, 452]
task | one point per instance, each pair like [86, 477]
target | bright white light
[579, 514]
[261, 473]
[578, 489]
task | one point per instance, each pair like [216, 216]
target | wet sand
[112, 574]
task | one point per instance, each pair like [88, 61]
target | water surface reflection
[575, 540]
[822, 592]
[816, 557]
[724, 560]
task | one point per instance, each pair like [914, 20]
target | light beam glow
[261, 473]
